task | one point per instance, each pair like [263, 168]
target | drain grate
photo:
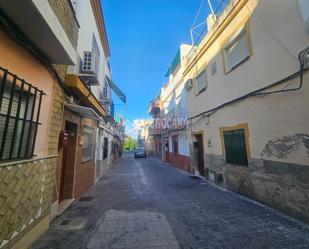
[65, 222]
[86, 198]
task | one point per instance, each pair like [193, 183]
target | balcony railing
[217, 13]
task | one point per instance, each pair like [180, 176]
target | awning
[174, 64]
[116, 90]
[84, 93]
[85, 112]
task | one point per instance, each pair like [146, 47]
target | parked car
[140, 153]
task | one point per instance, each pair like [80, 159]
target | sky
[144, 36]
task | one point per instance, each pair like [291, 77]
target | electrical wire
[271, 34]
[22, 40]
[259, 92]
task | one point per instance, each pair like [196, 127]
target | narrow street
[143, 203]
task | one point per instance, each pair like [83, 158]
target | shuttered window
[200, 82]
[235, 147]
[20, 105]
[237, 50]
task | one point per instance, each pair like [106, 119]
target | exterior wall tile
[25, 197]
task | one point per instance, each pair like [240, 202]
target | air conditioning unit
[89, 69]
[88, 64]
[189, 85]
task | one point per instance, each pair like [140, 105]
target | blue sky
[144, 36]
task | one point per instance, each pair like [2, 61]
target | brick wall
[66, 17]
[179, 161]
[25, 198]
[55, 119]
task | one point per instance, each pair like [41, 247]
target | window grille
[20, 106]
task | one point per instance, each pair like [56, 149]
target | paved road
[145, 204]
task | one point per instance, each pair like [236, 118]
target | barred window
[20, 105]
[87, 144]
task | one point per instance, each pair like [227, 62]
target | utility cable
[259, 92]
[20, 38]
[271, 34]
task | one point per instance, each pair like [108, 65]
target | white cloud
[132, 128]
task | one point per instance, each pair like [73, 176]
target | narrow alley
[144, 203]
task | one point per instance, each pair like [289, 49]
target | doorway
[200, 153]
[68, 140]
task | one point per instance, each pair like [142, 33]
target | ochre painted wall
[20, 62]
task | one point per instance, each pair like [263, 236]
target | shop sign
[164, 124]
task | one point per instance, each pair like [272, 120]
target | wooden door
[69, 140]
[201, 166]
[64, 143]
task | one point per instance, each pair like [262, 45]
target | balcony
[38, 22]
[155, 107]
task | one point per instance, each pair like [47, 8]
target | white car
[140, 153]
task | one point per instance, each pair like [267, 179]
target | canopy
[116, 90]
[83, 111]
[174, 64]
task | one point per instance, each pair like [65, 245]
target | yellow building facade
[247, 103]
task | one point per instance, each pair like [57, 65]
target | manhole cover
[86, 198]
[65, 222]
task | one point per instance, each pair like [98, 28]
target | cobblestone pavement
[145, 204]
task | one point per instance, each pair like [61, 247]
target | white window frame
[243, 32]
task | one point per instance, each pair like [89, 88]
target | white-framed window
[236, 50]
[200, 82]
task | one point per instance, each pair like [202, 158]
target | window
[105, 148]
[20, 105]
[105, 91]
[237, 50]
[235, 147]
[87, 144]
[175, 144]
[200, 82]
[213, 68]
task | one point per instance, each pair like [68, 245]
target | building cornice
[98, 15]
[208, 41]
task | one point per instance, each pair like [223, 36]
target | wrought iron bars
[20, 106]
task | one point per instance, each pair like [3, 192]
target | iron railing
[20, 106]
[219, 8]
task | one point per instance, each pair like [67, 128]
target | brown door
[63, 167]
[68, 159]
[200, 154]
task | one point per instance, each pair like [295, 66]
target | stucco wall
[19, 61]
[278, 134]
[27, 186]
[270, 117]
